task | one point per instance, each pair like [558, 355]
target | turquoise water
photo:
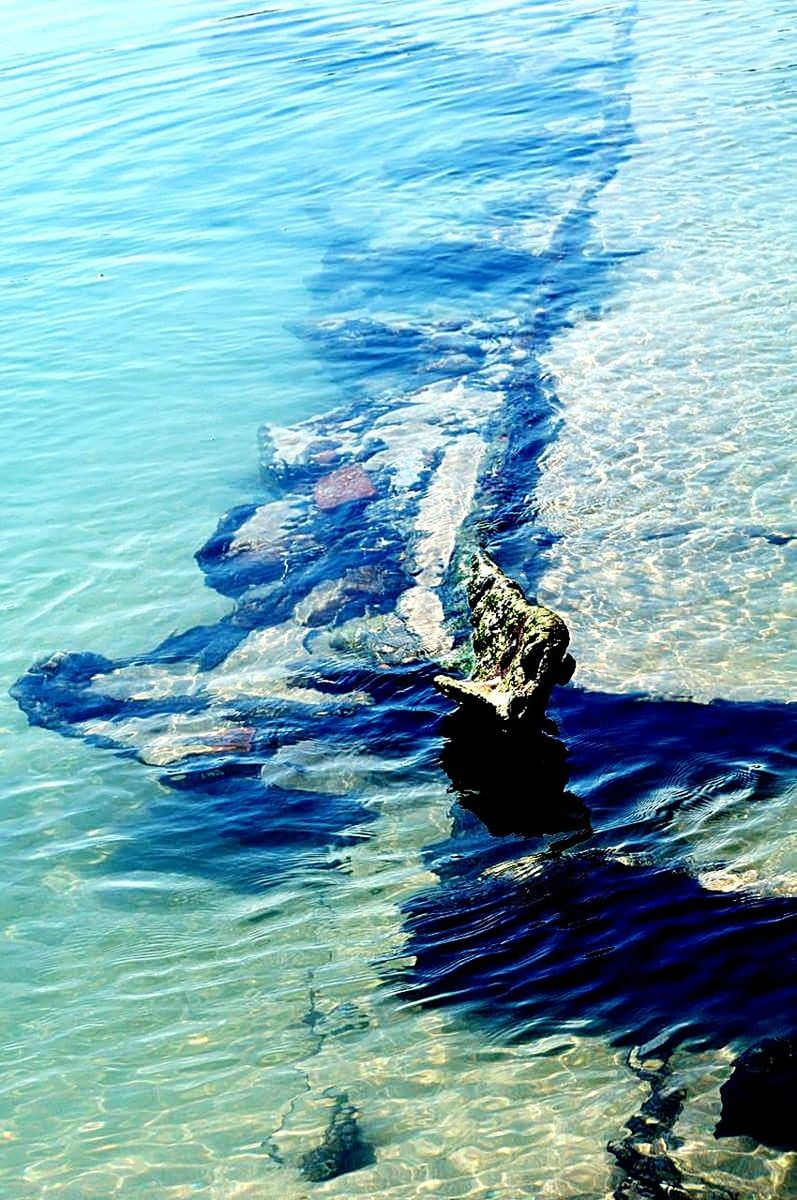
[192, 202]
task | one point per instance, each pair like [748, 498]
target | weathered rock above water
[520, 650]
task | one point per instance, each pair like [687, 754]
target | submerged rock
[501, 752]
[758, 1099]
[645, 1169]
[344, 486]
[343, 1149]
[520, 650]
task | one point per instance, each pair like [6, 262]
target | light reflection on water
[671, 481]
[185, 192]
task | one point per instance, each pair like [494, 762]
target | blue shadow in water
[608, 931]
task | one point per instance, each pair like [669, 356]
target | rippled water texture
[560, 233]
[671, 482]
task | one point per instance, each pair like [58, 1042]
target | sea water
[671, 483]
[198, 204]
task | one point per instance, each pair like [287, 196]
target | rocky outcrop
[500, 751]
[520, 650]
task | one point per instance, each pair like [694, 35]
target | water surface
[212, 221]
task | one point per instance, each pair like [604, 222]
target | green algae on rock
[520, 649]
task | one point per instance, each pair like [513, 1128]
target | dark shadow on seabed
[606, 930]
[598, 921]
[555, 916]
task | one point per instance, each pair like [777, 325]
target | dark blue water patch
[205, 645]
[611, 933]
[214, 814]
[636, 761]
[362, 354]
[221, 820]
[460, 269]
[529, 423]
[481, 268]
[239, 832]
[632, 952]
[614, 771]
[63, 693]
[478, 277]
[566, 152]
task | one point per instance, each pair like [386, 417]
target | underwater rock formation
[345, 583]
[346, 566]
[645, 1168]
[520, 650]
[758, 1100]
[343, 1149]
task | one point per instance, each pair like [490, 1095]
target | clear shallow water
[671, 481]
[194, 204]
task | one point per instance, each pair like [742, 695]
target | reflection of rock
[520, 650]
[513, 779]
[343, 1148]
[758, 1100]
